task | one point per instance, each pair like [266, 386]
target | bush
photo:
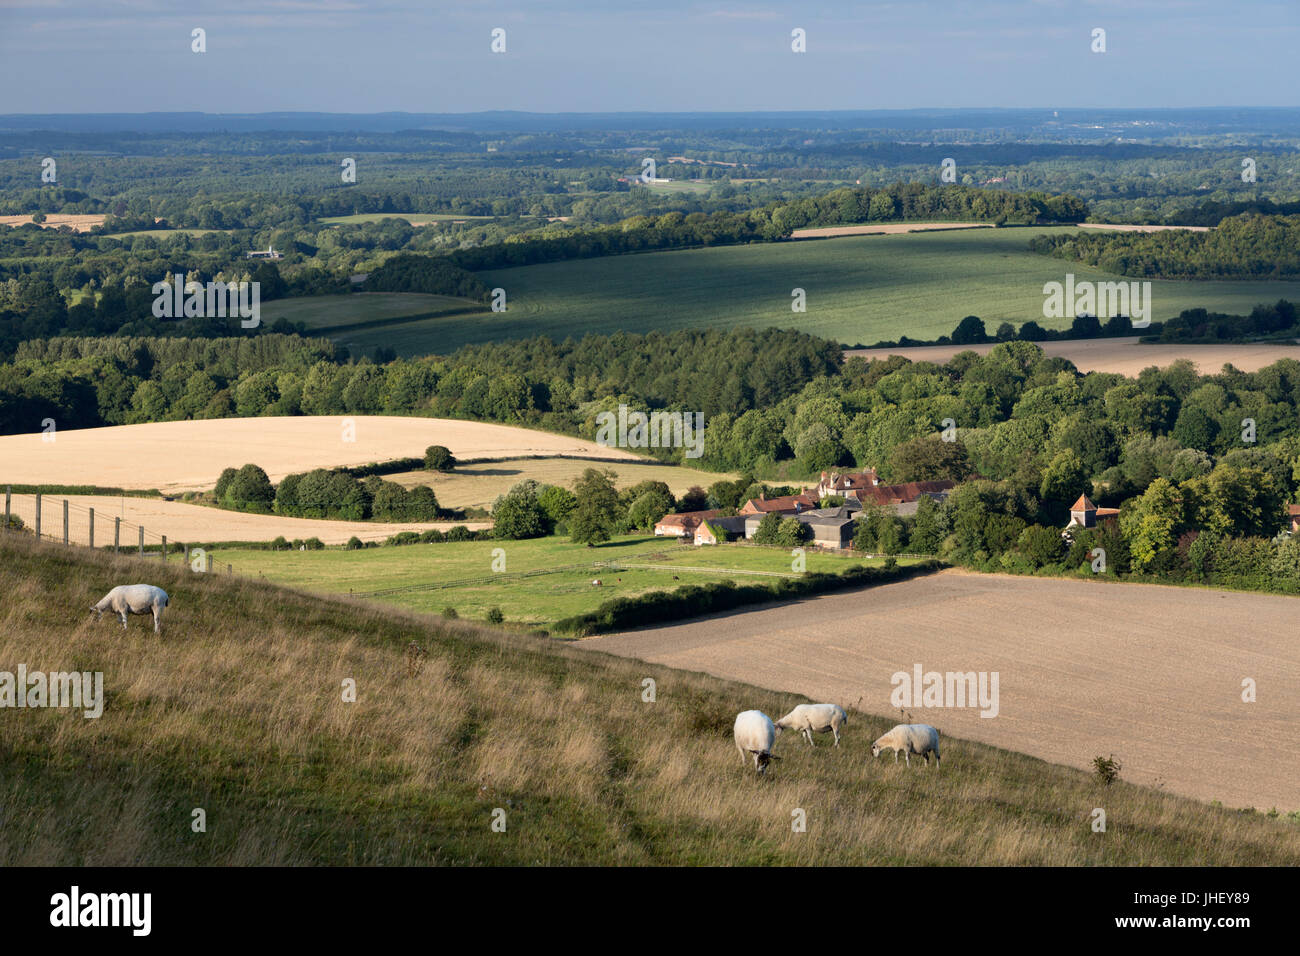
[405, 537]
[495, 616]
[438, 458]
[450, 613]
[314, 544]
[1107, 769]
[354, 544]
[460, 533]
[432, 536]
[280, 544]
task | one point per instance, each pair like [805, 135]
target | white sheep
[134, 599]
[807, 718]
[755, 733]
[919, 739]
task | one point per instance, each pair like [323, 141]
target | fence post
[117, 533]
[185, 555]
[38, 516]
[164, 549]
[230, 569]
[8, 491]
[141, 529]
[92, 529]
[209, 557]
[65, 521]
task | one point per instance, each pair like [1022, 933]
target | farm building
[902, 499]
[1084, 514]
[718, 530]
[682, 525]
[785, 504]
[828, 530]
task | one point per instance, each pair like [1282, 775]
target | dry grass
[237, 709]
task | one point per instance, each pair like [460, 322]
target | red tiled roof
[904, 493]
[1083, 504]
[785, 503]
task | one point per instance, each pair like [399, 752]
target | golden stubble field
[1148, 673]
[189, 456]
[1125, 356]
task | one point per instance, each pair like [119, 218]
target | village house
[1293, 513]
[783, 505]
[1084, 514]
[718, 530]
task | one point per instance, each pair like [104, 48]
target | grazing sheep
[807, 718]
[134, 599]
[755, 734]
[919, 739]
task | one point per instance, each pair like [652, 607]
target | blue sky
[69, 56]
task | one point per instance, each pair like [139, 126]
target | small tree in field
[438, 458]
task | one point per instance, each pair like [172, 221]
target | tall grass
[237, 709]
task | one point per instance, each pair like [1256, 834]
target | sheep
[807, 718]
[755, 734]
[134, 599]
[919, 739]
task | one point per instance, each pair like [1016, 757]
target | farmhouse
[1084, 514]
[785, 504]
[717, 530]
[1293, 514]
[843, 485]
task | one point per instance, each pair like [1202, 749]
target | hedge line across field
[695, 600]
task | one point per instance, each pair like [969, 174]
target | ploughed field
[1150, 674]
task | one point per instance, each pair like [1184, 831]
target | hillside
[237, 710]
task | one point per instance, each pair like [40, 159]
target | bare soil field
[1126, 356]
[186, 523]
[1150, 674]
[189, 456]
[1119, 227]
[883, 229]
[80, 222]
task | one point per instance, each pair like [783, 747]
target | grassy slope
[237, 710]
[861, 289]
[540, 600]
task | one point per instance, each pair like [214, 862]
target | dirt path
[883, 229]
[1150, 674]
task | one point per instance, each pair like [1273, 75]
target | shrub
[432, 536]
[450, 613]
[438, 458]
[354, 544]
[314, 544]
[1107, 769]
[495, 616]
[280, 544]
[460, 533]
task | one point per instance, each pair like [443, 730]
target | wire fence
[62, 521]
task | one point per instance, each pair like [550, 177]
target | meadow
[860, 290]
[238, 709]
[542, 579]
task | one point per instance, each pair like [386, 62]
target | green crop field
[860, 289]
[539, 599]
[362, 321]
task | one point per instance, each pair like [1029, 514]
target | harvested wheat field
[80, 222]
[182, 522]
[1124, 227]
[883, 229]
[189, 456]
[1150, 674]
[1125, 356]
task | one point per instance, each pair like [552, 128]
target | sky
[128, 56]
